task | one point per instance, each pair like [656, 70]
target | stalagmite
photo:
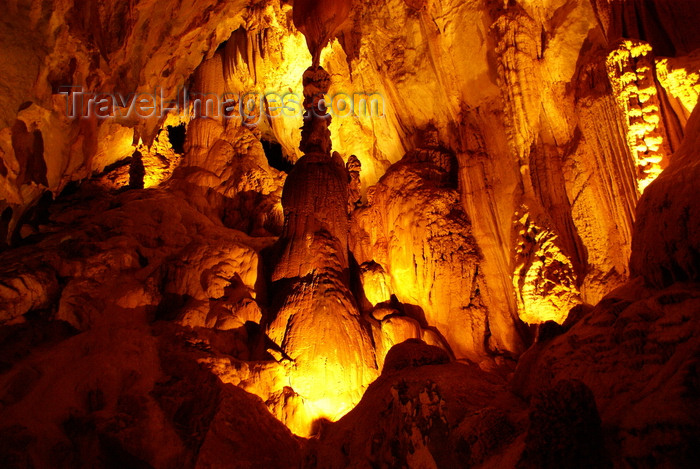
[136, 171]
[318, 324]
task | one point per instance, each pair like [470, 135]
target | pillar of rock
[317, 323]
[314, 197]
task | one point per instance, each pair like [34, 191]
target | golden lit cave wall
[513, 83]
[364, 138]
[467, 89]
[391, 63]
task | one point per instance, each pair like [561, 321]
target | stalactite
[631, 71]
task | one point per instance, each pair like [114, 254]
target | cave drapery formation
[498, 268]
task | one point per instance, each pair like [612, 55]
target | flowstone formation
[413, 243]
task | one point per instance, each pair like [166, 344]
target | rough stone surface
[512, 237]
[665, 245]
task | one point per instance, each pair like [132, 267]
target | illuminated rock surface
[498, 268]
[414, 239]
[317, 324]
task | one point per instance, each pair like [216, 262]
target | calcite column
[317, 322]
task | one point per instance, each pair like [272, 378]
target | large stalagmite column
[317, 323]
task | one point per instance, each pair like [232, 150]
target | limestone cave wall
[503, 255]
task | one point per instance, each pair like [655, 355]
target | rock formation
[399, 233]
[318, 324]
[413, 241]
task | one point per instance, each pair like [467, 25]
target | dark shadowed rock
[413, 353]
[564, 430]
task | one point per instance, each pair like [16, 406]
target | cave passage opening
[177, 135]
[275, 156]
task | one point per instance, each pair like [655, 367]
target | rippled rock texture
[496, 266]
